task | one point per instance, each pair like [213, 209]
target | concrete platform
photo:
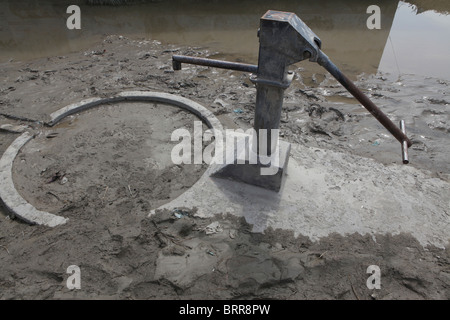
[267, 172]
[330, 192]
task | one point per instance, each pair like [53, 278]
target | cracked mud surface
[165, 257]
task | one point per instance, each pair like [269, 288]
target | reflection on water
[418, 43]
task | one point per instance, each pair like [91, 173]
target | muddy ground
[104, 170]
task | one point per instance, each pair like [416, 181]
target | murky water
[418, 43]
[407, 42]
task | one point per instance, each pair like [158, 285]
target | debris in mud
[57, 176]
[14, 128]
[419, 145]
[440, 123]
[325, 120]
[438, 101]
[212, 228]
[309, 94]
[179, 213]
[95, 52]
[51, 135]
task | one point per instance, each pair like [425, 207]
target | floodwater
[418, 43]
[412, 39]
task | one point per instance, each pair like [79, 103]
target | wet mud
[124, 254]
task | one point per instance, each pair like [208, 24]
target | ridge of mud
[166, 257]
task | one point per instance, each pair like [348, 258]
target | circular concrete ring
[23, 210]
[9, 195]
